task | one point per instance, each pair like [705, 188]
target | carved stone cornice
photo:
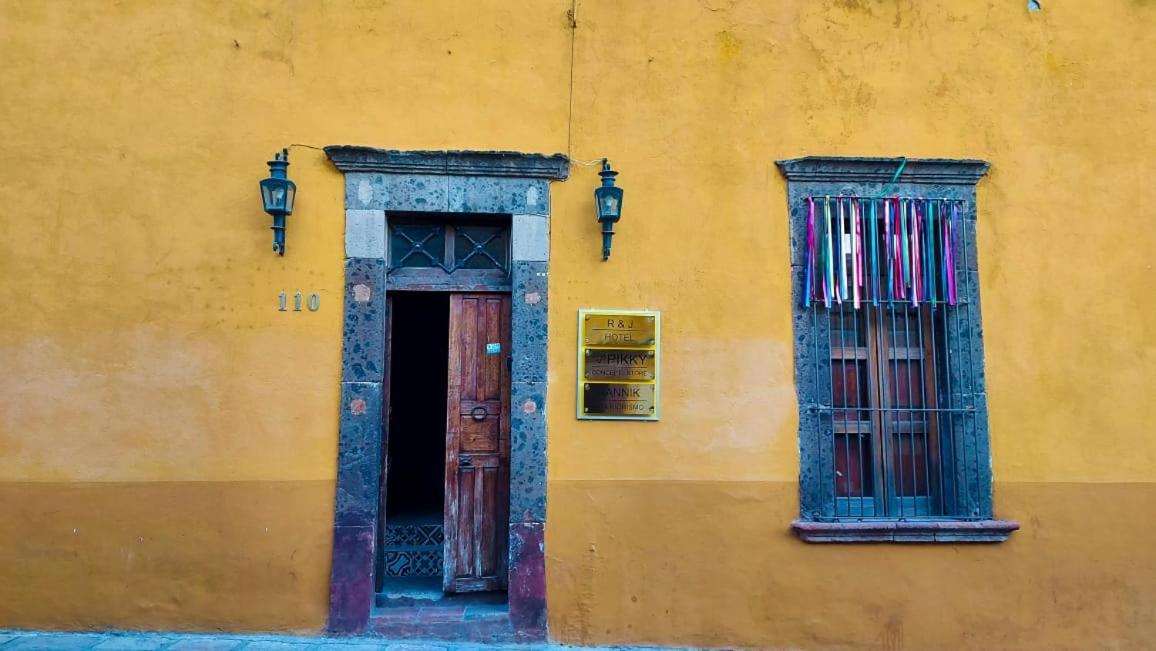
[881, 170]
[352, 158]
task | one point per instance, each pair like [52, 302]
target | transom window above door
[449, 244]
[434, 249]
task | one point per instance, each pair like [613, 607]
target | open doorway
[507, 182]
[411, 551]
[444, 504]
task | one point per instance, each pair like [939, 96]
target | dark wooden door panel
[477, 443]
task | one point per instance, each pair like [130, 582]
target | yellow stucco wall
[168, 439]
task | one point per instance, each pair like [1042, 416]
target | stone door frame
[378, 182]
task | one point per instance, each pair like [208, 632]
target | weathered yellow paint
[152, 393]
[699, 562]
[220, 555]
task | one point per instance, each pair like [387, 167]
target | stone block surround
[378, 182]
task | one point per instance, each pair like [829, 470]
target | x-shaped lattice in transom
[417, 246]
[479, 248]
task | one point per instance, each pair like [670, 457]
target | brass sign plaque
[636, 330]
[618, 364]
[619, 399]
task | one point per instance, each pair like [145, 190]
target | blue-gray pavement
[135, 641]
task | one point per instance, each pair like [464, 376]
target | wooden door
[477, 443]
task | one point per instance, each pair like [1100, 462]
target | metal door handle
[479, 413]
[466, 461]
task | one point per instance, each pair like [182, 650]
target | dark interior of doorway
[417, 441]
[410, 561]
[415, 480]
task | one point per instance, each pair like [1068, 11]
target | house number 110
[313, 302]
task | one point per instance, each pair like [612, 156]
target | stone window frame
[857, 176]
[380, 181]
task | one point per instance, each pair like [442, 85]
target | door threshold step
[387, 599]
[478, 623]
[410, 591]
[426, 592]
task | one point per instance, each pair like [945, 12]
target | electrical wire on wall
[572, 16]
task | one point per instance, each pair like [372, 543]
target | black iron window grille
[449, 245]
[892, 408]
[895, 415]
[879, 280]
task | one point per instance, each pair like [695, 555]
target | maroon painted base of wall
[528, 576]
[351, 584]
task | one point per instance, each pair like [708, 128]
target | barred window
[893, 436]
[890, 414]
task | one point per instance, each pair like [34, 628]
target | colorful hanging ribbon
[892, 249]
[808, 289]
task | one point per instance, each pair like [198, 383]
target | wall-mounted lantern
[278, 193]
[608, 199]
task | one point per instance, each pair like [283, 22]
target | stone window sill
[916, 531]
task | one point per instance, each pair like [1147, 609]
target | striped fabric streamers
[879, 250]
